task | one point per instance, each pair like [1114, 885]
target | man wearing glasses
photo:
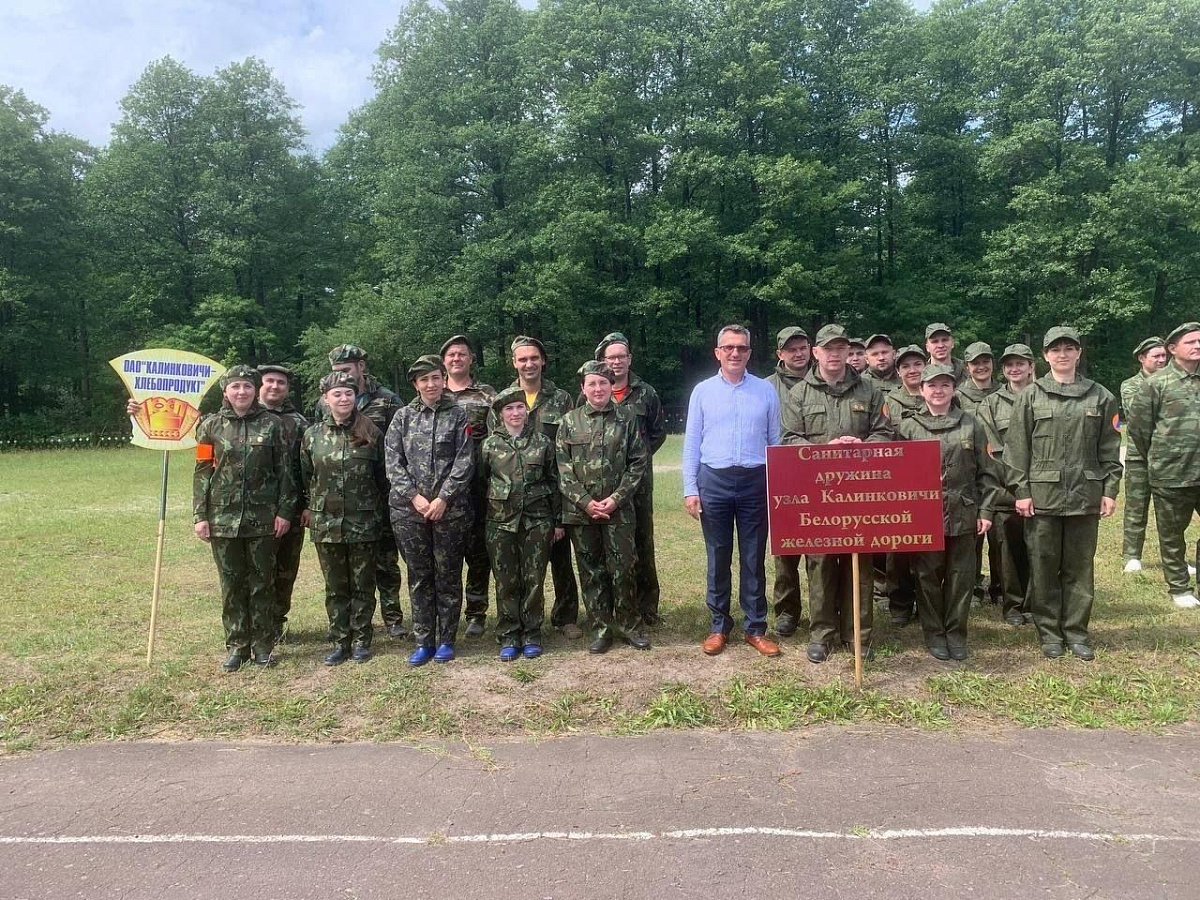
[732, 417]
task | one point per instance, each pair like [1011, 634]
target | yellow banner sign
[167, 386]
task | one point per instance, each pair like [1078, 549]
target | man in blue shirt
[732, 417]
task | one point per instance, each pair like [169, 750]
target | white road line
[436, 838]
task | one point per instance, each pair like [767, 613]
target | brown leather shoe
[762, 645]
[714, 643]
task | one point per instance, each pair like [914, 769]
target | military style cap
[935, 370]
[1061, 333]
[424, 365]
[1021, 351]
[1177, 333]
[278, 370]
[338, 380]
[456, 339]
[240, 373]
[858, 342]
[595, 367]
[830, 333]
[507, 396]
[786, 334]
[910, 350]
[876, 338]
[613, 337]
[934, 327]
[343, 353]
[524, 340]
[976, 350]
[1150, 343]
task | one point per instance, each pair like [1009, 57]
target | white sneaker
[1191, 571]
[1134, 565]
[1186, 601]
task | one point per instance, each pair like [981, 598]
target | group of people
[505, 484]
[1031, 463]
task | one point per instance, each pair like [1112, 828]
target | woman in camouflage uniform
[243, 497]
[343, 475]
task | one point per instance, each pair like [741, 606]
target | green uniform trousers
[565, 610]
[606, 555]
[945, 580]
[1137, 508]
[287, 567]
[646, 589]
[1014, 563]
[1173, 511]
[786, 595]
[433, 552]
[246, 568]
[901, 584]
[1062, 551]
[387, 577]
[349, 571]
[830, 601]
[519, 560]
[478, 565]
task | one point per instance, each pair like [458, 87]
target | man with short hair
[476, 400]
[881, 363]
[939, 344]
[1164, 425]
[832, 405]
[732, 418]
[857, 359]
[1151, 355]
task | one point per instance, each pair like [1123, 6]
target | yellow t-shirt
[531, 399]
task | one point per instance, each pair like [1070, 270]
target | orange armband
[204, 453]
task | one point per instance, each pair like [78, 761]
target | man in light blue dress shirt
[732, 417]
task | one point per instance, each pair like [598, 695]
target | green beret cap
[934, 327]
[858, 342]
[343, 353]
[524, 340]
[1061, 333]
[1177, 333]
[910, 350]
[876, 338]
[240, 373]
[456, 339]
[595, 367]
[786, 334]
[1021, 351]
[276, 369]
[337, 380]
[830, 333]
[613, 337]
[1149, 344]
[976, 350]
[933, 370]
[507, 396]
[424, 365]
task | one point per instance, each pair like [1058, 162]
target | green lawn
[77, 539]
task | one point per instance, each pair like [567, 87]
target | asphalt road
[822, 813]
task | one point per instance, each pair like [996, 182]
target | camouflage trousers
[830, 599]
[646, 588]
[606, 555]
[433, 553]
[246, 569]
[387, 578]
[1173, 511]
[945, 581]
[1136, 486]
[287, 567]
[349, 572]
[786, 594]
[519, 560]
[1014, 563]
[477, 563]
[1062, 553]
[565, 610]
[900, 584]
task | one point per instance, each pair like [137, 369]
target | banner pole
[158, 555]
[858, 665]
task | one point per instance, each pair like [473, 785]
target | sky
[78, 58]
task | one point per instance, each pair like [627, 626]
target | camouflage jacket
[783, 381]
[600, 454]
[994, 414]
[551, 405]
[970, 397]
[642, 400]
[1063, 449]
[1129, 388]
[816, 412]
[346, 485]
[294, 426]
[377, 403]
[429, 451]
[522, 479]
[1164, 425]
[886, 383]
[244, 476]
[900, 404]
[477, 401]
[970, 478]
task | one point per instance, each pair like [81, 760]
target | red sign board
[855, 498]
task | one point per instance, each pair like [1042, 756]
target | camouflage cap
[976, 350]
[423, 365]
[1177, 333]
[338, 380]
[240, 373]
[858, 342]
[507, 396]
[936, 370]
[613, 337]
[595, 367]
[876, 338]
[934, 327]
[1150, 343]
[344, 353]
[1061, 333]
[910, 350]
[277, 370]
[1018, 351]
[786, 334]
[456, 339]
[524, 340]
[830, 333]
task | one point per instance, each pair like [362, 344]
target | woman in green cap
[344, 480]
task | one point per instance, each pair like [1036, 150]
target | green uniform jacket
[1129, 388]
[1063, 449]
[816, 412]
[551, 405]
[249, 480]
[970, 478]
[429, 451]
[1164, 426]
[600, 454]
[476, 399]
[294, 426]
[641, 400]
[900, 404]
[522, 480]
[346, 485]
[885, 383]
[783, 381]
[970, 397]
[994, 414]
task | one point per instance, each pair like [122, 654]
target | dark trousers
[786, 590]
[1062, 553]
[993, 552]
[565, 609]
[433, 552]
[246, 568]
[387, 578]
[1137, 508]
[287, 567]
[729, 498]
[477, 563]
[647, 589]
[1014, 563]
[944, 600]
[831, 599]
[349, 572]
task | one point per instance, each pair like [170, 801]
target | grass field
[77, 543]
